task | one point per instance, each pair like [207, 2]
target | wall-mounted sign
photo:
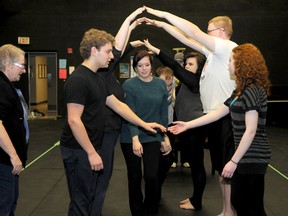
[24, 40]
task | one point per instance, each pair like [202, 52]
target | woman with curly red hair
[247, 107]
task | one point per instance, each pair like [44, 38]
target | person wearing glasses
[215, 83]
[14, 133]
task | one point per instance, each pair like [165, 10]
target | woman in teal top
[147, 97]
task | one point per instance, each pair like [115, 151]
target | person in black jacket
[13, 127]
[189, 106]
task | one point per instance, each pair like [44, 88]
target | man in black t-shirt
[86, 94]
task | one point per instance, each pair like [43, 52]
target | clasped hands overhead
[149, 21]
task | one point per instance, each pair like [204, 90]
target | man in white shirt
[215, 84]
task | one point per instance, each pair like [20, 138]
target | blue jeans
[81, 181]
[9, 190]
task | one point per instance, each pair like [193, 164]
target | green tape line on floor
[277, 171]
[58, 143]
[44, 153]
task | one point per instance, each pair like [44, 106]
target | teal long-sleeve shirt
[149, 101]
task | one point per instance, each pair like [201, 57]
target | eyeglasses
[221, 29]
[22, 66]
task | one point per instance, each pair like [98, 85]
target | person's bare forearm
[124, 111]
[210, 117]
[125, 30]
[251, 123]
[184, 25]
[129, 115]
[182, 37]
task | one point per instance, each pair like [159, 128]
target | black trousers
[193, 141]
[164, 167]
[247, 194]
[151, 156]
[107, 154]
[221, 142]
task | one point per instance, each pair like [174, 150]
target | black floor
[43, 190]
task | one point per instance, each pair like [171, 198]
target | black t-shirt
[89, 89]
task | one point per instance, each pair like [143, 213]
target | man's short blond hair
[223, 22]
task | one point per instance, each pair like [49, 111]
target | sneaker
[186, 165]
[174, 165]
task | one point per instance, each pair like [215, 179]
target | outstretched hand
[178, 127]
[137, 43]
[153, 22]
[138, 11]
[155, 12]
[137, 22]
[152, 126]
[151, 47]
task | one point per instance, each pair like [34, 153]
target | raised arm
[191, 80]
[176, 33]
[121, 40]
[131, 27]
[189, 28]
[125, 29]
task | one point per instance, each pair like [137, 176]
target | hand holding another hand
[151, 47]
[137, 43]
[154, 12]
[153, 22]
[133, 15]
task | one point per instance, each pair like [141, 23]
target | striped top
[257, 157]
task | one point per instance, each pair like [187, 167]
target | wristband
[233, 162]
